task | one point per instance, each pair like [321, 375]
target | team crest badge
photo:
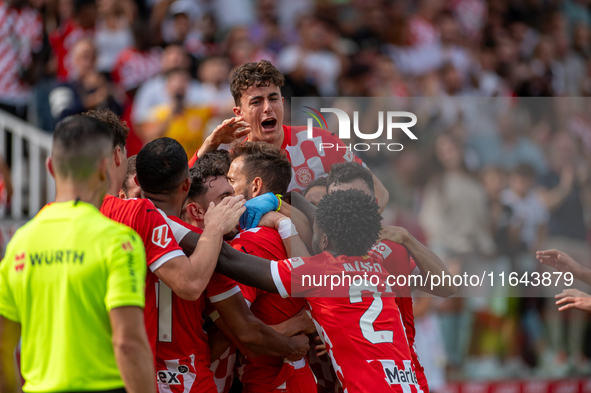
[304, 176]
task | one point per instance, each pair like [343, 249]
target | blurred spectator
[422, 28]
[494, 181]
[177, 118]
[313, 60]
[113, 31]
[453, 212]
[149, 95]
[214, 75]
[266, 32]
[181, 28]
[509, 147]
[5, 185]
[138, 62]
[70, 31]
[563, 190]
[21, 34]
[529, 216]
[88, 90]
[241, 49]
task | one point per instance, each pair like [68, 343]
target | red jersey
[266, 373]
[308, 161]
[62, 41]
[362, 330]
[142, 216]
[182, 351]
[398, 262]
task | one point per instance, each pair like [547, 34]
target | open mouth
[269, 124]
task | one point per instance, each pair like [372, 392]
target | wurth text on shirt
[392, 123]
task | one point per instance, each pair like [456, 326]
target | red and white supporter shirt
[21, 33]
[308, 161]
[142, 216]
[62, 41]
[398, 262]
[182, 351]
[362, 329]
[266, 373]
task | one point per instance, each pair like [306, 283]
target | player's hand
[393, 233]
[272, 220]
[300, 345]
[307, 326]
[226, 214]
[559, 260]
[320, 348]
[230, 130]
[573, 298]
[256, 208]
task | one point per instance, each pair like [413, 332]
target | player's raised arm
[227, 132]
[426, 260]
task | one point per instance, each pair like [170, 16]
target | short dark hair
[351, 221]
[161, 166]
[79, 143]
[261, 73]
[320, 182]
[215, 163]
[266, 161]
[347, 172]
[131, 171]
[119, 128]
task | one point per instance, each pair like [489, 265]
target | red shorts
[302, 381]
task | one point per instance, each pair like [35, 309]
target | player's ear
[49, 165]
[186, 184]
[237, 111]
[117, 153]
[257, 187]
[121, 194]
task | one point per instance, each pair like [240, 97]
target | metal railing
[32, 184]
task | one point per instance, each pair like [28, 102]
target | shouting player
[259, 114]
[183, 357]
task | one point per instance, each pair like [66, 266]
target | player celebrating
[350, 175]
[186, 276]
[258, 168]
[259, 111]
[184, 358]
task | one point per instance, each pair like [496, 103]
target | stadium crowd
[474, 190]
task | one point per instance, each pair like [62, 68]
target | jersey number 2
[369, 317]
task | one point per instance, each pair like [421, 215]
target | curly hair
[119, 128]
[266, 161]
[348, 172]
[261, 73]
[350, 220]
[215, 163]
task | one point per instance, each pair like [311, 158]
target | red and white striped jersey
[21, 34]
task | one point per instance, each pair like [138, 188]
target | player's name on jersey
[359, 266]
[50, 257]
[395, 375]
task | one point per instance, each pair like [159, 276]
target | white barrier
[32, 185]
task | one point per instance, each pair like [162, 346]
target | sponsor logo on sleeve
[160, 236]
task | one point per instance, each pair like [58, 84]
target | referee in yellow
[72, 282]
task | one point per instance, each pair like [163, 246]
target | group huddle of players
[217, 310]
[256, 320]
